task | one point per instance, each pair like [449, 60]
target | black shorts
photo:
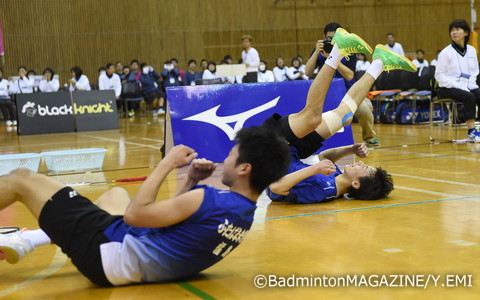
[156, 93]
[305, 146]
[76, 225]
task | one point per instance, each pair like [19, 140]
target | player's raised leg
[383, 60]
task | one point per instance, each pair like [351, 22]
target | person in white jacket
[6, 104]
[211, 71]
[280, 71]
[456, 73]
[420, 62]
[107, 81]
[264, 75]
[49, 84]
[79, 82]
[24, 84]
[296, 71]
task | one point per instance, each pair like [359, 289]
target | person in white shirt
[296, 71]
[280, 71]
[49, 84]
[79, 82]
[362, 63]
[6, 104]
[210, 71]
[434, 61]
[456, 73]
[265, 75]
[251, 59]
[420, 62]
[107, 81]
[24, 84]
[393, 46]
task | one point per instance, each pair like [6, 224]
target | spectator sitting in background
[393, 46]
[362, 63]
[119, 69]
[24, 84]
[228, 58]
[126, 72]
[48, 83]
[203, 65]
[170, 74]
[111, 81]
[434, 61]
[135, 72]
[191, 75]
[151, 93]
[31, 73]
[6, 103]
[300, 58]
[456, 73]
[265, 75]
[280, 71]
[181, 78]
[296, 72]
[420, 62]
[210, 72]
[79, 82]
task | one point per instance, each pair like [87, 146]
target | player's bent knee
[21, 172]
[333, 121]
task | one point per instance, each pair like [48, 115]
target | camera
[327, 45]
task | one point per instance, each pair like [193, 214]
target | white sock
[36, 237]
[334, 58]
[376, 68]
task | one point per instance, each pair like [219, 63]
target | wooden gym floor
[428, 227]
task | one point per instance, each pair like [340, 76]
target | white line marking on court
[150, 140]
[58, 261]
[429, 154]
[463, 243]
[116, 141]
[437, 180]
[392, 250]
[427, 192]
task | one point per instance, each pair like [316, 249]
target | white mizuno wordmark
[210, 116]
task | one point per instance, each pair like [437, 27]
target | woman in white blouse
[210, 72]
[296, 71]
[280, 71]
[49, 84]
[362, 63]
[79, 82]
[24, 84]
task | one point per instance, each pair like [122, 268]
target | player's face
[229, 172]
[356, 170]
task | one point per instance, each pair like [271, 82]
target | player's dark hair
[268, 154]
[373, 187]
[463, 25]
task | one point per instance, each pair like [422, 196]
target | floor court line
[425, 154]
[436, 180]
[117, 141]
[366, 208]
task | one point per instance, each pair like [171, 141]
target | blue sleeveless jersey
[314, 189]
[186, 248]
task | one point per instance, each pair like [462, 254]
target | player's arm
[200, 169]
[287, 182]
[143, 211]
[334, 154]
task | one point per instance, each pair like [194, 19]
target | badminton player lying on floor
[305, 132]
[124, 241]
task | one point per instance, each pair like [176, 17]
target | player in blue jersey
[124, 241]
[306, 130]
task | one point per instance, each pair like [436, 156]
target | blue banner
[207, 117]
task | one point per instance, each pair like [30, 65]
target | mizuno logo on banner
[210, 116]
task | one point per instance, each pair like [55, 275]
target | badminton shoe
[392, 61]
[13, 247]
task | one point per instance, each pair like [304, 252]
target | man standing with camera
[345, 70]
